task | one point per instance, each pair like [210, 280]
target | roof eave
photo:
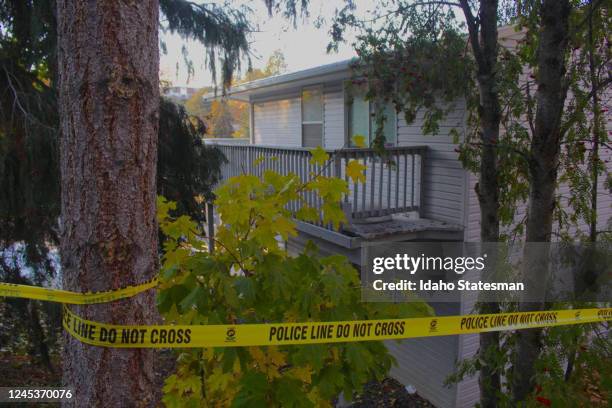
[321, 74]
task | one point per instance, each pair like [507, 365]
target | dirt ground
[389, 394]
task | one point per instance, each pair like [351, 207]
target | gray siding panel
[444, 177]
[426, 362]
[278, 119]
[468, 390]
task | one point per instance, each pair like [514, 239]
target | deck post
[251, 123]
[422, 180]
[210, 223]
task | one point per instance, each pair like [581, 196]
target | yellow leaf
[259, 160]
[269, 361]
[258, 355]
[319, 156]
[306, 213]
[317, 400]
[163, 208]
[355, 171]
[276, 357]
[208, 354]
[302, 373]
[359, 140]
[335, 353]
[334, 214]
[285, 227]
[218, 380]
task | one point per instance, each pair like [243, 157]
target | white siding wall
[444, 177]
[333, 99]
[278, 122]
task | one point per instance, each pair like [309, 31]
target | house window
[312, 117]
[362, 120]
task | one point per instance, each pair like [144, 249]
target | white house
[427, 195]
[179, 92]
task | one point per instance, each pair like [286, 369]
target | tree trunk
[485, 48]
[544, 160]
[109, 108]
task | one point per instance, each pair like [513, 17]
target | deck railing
[393, 181]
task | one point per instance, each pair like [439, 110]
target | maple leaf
[356, 171]
[359, 140]
[319, 156]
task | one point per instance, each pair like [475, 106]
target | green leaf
[454, 133]
[276, 284]
[330, 381]
[228, 357]
[195, 299]
[288, 391]
[313, 354]
[245, 288]
[171, 297]
[334, 286]
[358, 357]
[253, 387]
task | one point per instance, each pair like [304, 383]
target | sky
[303, 47]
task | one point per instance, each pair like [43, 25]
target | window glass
[390, 127]
[312, 135]
[312, 105]
[359, 119]
[362, 120]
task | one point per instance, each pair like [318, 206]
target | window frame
[311, 122]
[348, 104]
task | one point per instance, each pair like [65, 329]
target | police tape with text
[181, 336]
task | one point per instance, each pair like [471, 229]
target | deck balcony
[393, 183]
[387, 206]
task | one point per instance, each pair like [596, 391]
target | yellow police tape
[239, 335]
[73, 298]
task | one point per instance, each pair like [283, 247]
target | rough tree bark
[483, 38]
[109, 106]
[544, 161]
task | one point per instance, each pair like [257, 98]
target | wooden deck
[393, 183]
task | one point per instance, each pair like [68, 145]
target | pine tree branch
[403, 9]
